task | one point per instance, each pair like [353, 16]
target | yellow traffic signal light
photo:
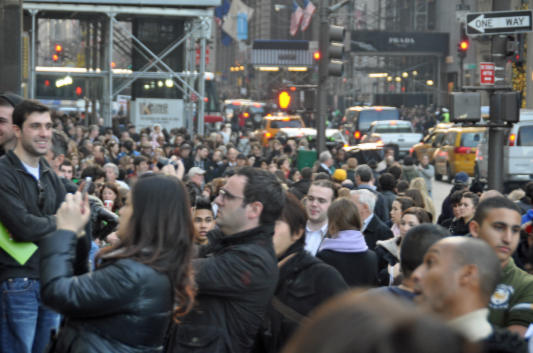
[284, 100]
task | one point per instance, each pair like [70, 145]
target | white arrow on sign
[481, 23]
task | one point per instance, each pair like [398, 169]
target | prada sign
[398, 42]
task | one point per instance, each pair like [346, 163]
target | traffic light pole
[496, 138]
[321, 110]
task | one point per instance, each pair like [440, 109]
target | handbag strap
[289, 313]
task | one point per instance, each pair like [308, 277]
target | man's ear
[17, 131]
[255, 209]
[468, 274]
[474, 229]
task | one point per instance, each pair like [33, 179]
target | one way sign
[499, 22]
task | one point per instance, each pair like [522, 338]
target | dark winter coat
[304, 283]
[389, 197]
[376, 231]
[103, 222]
[321, 169]
[20, 213]
[301, 188]
[208, 176]
[357, 268]
[525, 205]
[456, 226]
[236, 280]
[122, 307]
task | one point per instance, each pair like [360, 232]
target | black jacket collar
[218, 241]
[17, 164]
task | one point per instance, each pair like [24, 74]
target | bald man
[456, 281]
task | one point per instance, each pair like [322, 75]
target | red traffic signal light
[316, 55]
[59, 48]
[293, 89]
[284, 99]
[55, 57]
[47, 83]
[79, 91]
[464, 45]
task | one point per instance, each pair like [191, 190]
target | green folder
[19, 251]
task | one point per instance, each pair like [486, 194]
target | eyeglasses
[40, 200]
[227, 196]
[99, 185]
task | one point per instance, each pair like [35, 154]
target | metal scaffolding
[199, 18]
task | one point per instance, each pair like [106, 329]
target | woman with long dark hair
[126, 304]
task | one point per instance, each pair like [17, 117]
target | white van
[518, 154]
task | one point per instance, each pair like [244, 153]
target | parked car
[333, 136]
[357, 120]
[271, 125]
[393, 132]
[517, 152]
[457, 152]
[430, 143]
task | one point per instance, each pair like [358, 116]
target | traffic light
[517, 52]
[289, 99]
[336, 51]
[462, 46]
[316, 55]
[59, 53]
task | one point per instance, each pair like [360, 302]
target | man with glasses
[237, 273]
[31, 193]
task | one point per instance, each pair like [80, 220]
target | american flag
[308, 14]
[296, 18]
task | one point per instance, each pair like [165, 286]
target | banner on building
[149, 111]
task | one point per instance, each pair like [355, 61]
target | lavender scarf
[346, 241]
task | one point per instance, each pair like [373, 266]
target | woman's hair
[344, 215]
[124, 162]
[420, 185]
[417, 197]
[292, 172]
[405, 202]
[160, 234]
[356, 322]
[117, 202]
[295, 215]
[457, 196]
[74, 147]
[471, 196]
[280, 174]
[422, 215]
[280, 161]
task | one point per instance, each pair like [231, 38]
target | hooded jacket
[301, 188]
[304, 283]
[235, 281]
[387, 252]
[122, 307]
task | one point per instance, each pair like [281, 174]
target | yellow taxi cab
[457, 151]
[271, 125]
[430, 143]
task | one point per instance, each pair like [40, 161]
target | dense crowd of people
[186, 243]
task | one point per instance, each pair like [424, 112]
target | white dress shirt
[313, 239]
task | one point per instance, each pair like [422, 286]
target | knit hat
[340, 175]
[373, 164]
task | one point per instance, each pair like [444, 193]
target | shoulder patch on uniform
[501, 296]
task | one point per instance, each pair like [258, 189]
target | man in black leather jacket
[238, 271]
